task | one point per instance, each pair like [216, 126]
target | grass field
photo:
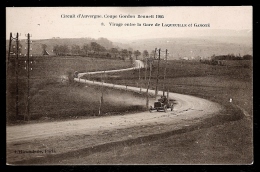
[217, 83]
[49, 96]
[213, 82]
[229, 138]
[77, 100]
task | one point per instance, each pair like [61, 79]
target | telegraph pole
[165, 73]
[16, 73]
[28, 76]
[16, 67]
[149, 80]
[10, 44]
[139, 76]
[147, 95]
[157, 79]
[145, 69]
[101, 98]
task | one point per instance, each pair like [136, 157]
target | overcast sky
[45, 22]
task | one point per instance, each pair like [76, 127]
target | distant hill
[37, 44]
[200, 44]
[197, 43]
[193, 47]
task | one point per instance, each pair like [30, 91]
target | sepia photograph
[129, 85]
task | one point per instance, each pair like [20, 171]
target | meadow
[213, 82]
[51, 96]
[226, 138]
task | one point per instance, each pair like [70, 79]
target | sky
[49, 22]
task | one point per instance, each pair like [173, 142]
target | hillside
[190, 45]
[203, 43]
[37, 44]
[193, 47]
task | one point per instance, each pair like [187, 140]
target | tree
[124, 53]
[137, 53]
[248, 57]
[86, 48]
[44, 46]
[152, 54]
[130, 56]
[75, 49]
[56, 49]
[145, 54]
[114, 51]
[64, 49]
[61, 49]
[96, 47]
[108, 55]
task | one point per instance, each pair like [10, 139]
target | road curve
[188, 106]
[91, 132]
[137, 64]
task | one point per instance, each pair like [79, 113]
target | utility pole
[139, 76]
[145, 69]
[165, 73]
[16, 74]
[102, 96]
[10, 44]
[148, 85]
[157, 79]
[28, 76]
[16, 68]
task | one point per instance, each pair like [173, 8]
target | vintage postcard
[129, 85]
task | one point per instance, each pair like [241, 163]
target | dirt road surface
[137, 64]
[48, 142]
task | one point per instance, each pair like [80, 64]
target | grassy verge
[60, 101]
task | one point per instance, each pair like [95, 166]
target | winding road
[91, 132]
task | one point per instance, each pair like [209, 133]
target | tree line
[232, 57]
[220, 59]
[96, 50]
